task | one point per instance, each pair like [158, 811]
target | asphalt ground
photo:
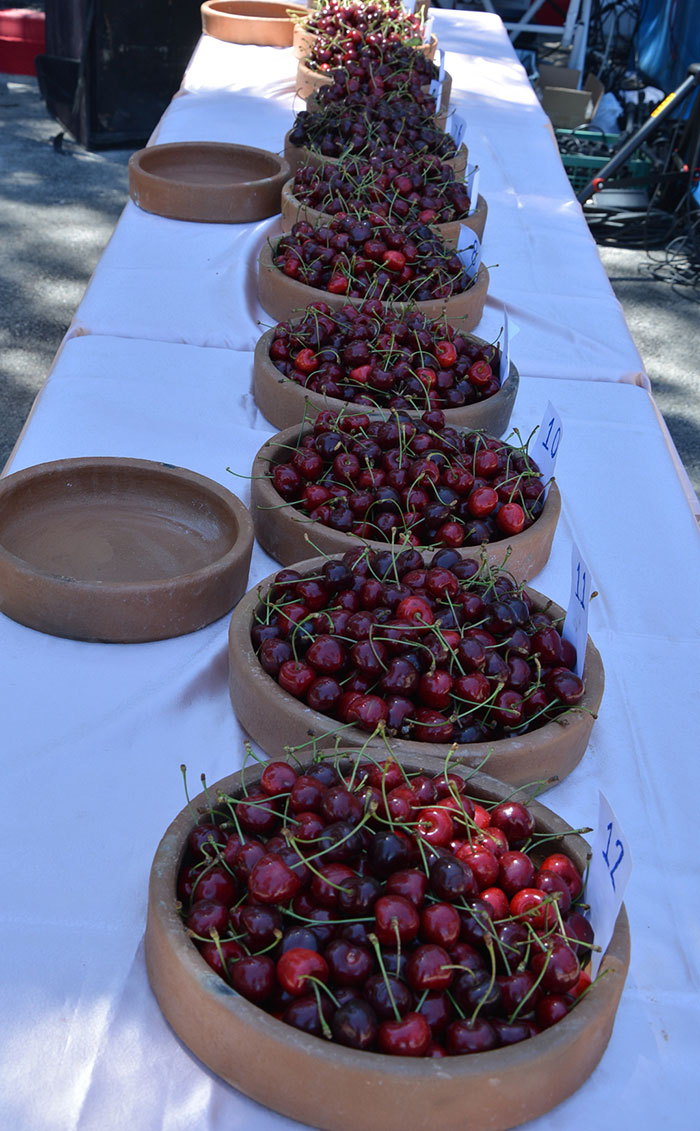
[59, 204]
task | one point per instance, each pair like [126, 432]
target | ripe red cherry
[511, 518]
[564, 867]
[297, 966]
[272, 880]
[408, 1037]
[429, 968]
[396, 918]
[558, 965]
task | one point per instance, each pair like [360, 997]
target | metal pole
[657, 116]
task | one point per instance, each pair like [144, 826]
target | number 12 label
[609, 872]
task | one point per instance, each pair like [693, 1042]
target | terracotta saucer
[298, 155]
[275, 719]
[287, 535]
[120, 550]
[207, 181]
[281, 1067]
[260, 22]
[283, 297]
[294, 209]
[285, 403]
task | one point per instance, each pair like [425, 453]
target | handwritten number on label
[581, 586]
[606, 857]
[555, 440]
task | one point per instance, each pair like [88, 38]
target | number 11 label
[611, 864]
[575, 628]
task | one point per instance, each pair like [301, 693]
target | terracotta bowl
[282, 297]
[120, 550]
[285, 403]
[207, 181]
[362, 1091]
[294, 209]
[303, 42]
[287, 534]
[274, 718]
[298, 155]
[261, 22]
[309, 81]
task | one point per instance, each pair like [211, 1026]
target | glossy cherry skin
[296, 966]
[355, 1025]
[408, 1037]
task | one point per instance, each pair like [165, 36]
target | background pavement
[59, 204]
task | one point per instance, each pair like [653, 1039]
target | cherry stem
[380, 961]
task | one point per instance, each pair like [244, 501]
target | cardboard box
[562, 101]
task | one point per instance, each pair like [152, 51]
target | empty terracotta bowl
[261, 22]
[326, 1085]
[287, 534]
[283, 297]
[294, 209]
[283, 402]
[207, 181]
[275, 719]
[120, 550]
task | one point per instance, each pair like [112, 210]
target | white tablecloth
[95, 735]
[158, 366]
[180, 282]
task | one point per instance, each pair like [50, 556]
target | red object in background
[21, 40]
[552, 13]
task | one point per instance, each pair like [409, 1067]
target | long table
[158, 365]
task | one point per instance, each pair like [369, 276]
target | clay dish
[488, 1091]
[294, 209]
[298, 155]
[285, 403]
[120, 550]
[282, 296]
[260, 22]
[287, 534]
[207, 181]
[275, 719]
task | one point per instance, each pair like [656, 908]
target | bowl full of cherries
[427, 652]
[414, 937]
[381, 359]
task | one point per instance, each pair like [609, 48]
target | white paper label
[428, 29]
[472, 182]
[469, 249]
[609, 871]
[441, 74]
[547, 443]
[505, 350]
[457, 128]
[435, 89]
[575, 628]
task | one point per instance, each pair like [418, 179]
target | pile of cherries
[396, 130]
[379, 356]
[390, 71]
[387, 911]
[451, 651]
[409, 481]
[364, 259]
[345, 32]
[423, 190]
